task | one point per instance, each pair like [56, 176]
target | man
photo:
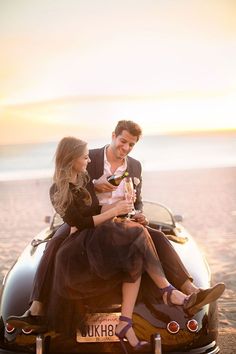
[114, 159]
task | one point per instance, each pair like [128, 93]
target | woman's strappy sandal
[188, 301]
[139, 347]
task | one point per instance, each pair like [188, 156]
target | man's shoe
[27, 321]
[206, 296]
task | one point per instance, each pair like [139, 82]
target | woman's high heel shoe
[188, 302]
[139, 347]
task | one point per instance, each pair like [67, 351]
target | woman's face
[80, 164]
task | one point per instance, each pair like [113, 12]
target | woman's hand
[123, 207]
[120, 208]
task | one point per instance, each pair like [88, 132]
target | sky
[77, 67]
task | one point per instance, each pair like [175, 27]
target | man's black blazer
[96, 166]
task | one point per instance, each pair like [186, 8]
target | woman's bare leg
[129, 297]
[177, 297]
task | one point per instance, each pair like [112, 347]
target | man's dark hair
[133, 128]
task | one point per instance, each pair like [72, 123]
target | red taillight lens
[173, 327]
[192, 325]
[27, 330]
[9, 328]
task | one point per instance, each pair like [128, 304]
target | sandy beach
[205, 197]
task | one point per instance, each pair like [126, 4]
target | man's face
[122, 144]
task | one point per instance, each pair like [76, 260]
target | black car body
[179, 332]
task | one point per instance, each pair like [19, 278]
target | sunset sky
[78, 66]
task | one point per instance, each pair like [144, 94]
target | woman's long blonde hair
[68, 150]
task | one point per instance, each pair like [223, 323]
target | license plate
[100, 327]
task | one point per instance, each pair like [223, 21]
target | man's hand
[101, 185]
[140, 218]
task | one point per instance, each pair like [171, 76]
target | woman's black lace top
[78, 213]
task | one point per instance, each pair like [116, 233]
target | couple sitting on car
[102, 252]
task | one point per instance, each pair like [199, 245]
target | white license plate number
[100, 327]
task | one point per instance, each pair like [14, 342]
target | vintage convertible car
[179, 332]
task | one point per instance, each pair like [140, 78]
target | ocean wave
[25, 174]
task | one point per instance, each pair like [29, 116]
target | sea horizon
[155, 152]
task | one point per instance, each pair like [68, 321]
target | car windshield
[158, 213]
[155, 212]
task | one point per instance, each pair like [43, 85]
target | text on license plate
[100, 327]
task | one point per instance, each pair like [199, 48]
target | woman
[102, 249]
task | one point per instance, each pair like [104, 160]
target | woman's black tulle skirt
[92, 262]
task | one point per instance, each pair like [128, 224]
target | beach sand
[206, 198]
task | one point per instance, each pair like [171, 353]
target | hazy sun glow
[77, 64]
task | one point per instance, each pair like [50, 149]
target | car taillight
[27, 330]
[192, 325]
[9, 328]
[173, 327]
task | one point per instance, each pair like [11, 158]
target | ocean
[156, 153]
